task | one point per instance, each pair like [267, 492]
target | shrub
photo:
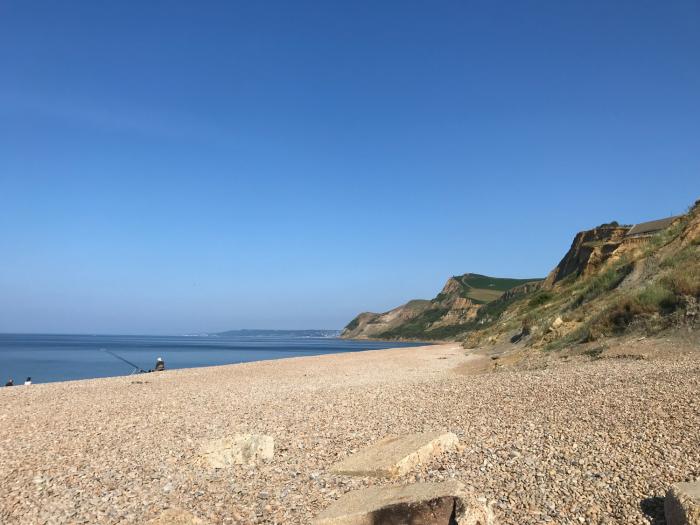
[656, 298]
[653, 299]
[684, 283]
[603, 282]
[539, 299]
[620, 315]
[684, 277]
[683, 257]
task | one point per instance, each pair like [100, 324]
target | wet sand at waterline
[565, 441]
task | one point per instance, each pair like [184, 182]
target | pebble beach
[562, 441]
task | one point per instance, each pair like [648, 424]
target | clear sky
[172, 167]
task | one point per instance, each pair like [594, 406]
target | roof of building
[651, 226]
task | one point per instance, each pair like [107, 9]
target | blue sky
[170, 167]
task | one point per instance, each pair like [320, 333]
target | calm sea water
[49, 358]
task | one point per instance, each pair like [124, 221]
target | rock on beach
[397, 455]
[445, 503]
[682, 504]
[241, 449]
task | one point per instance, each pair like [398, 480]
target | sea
[47, 358]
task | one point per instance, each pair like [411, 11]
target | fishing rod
[137, 368]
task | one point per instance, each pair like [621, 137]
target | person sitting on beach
[10, 382]
[160, 364]
[28, 381]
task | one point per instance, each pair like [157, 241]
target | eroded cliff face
[589, 251]
[520, 291]
[459, 311]
[452, 286]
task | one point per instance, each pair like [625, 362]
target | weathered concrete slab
[176, 517]
[418, 504]
[238, 450]
[682, 504]
[395, 456]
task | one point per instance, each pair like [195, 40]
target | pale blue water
[63, 357]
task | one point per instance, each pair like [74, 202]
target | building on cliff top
[646, 229]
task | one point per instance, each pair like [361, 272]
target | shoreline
[287, 349]
[123, 449]
[216, 367]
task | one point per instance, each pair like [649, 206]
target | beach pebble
[551, 442]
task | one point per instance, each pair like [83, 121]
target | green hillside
[443, 317]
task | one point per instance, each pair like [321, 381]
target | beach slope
[598, 440]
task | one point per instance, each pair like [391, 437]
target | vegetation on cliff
[607, 283]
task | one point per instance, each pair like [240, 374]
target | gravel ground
[581, 441]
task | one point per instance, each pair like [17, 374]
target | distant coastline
[280, 333]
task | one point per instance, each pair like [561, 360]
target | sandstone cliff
[589, 250]
[611, 280]
[612, 277]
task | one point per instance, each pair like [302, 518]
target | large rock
[175, 517]
[682, 504]
[395, 456]
[419, 504]
[241, 449]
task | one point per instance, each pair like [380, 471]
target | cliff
[589, 250]
[611, 279]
